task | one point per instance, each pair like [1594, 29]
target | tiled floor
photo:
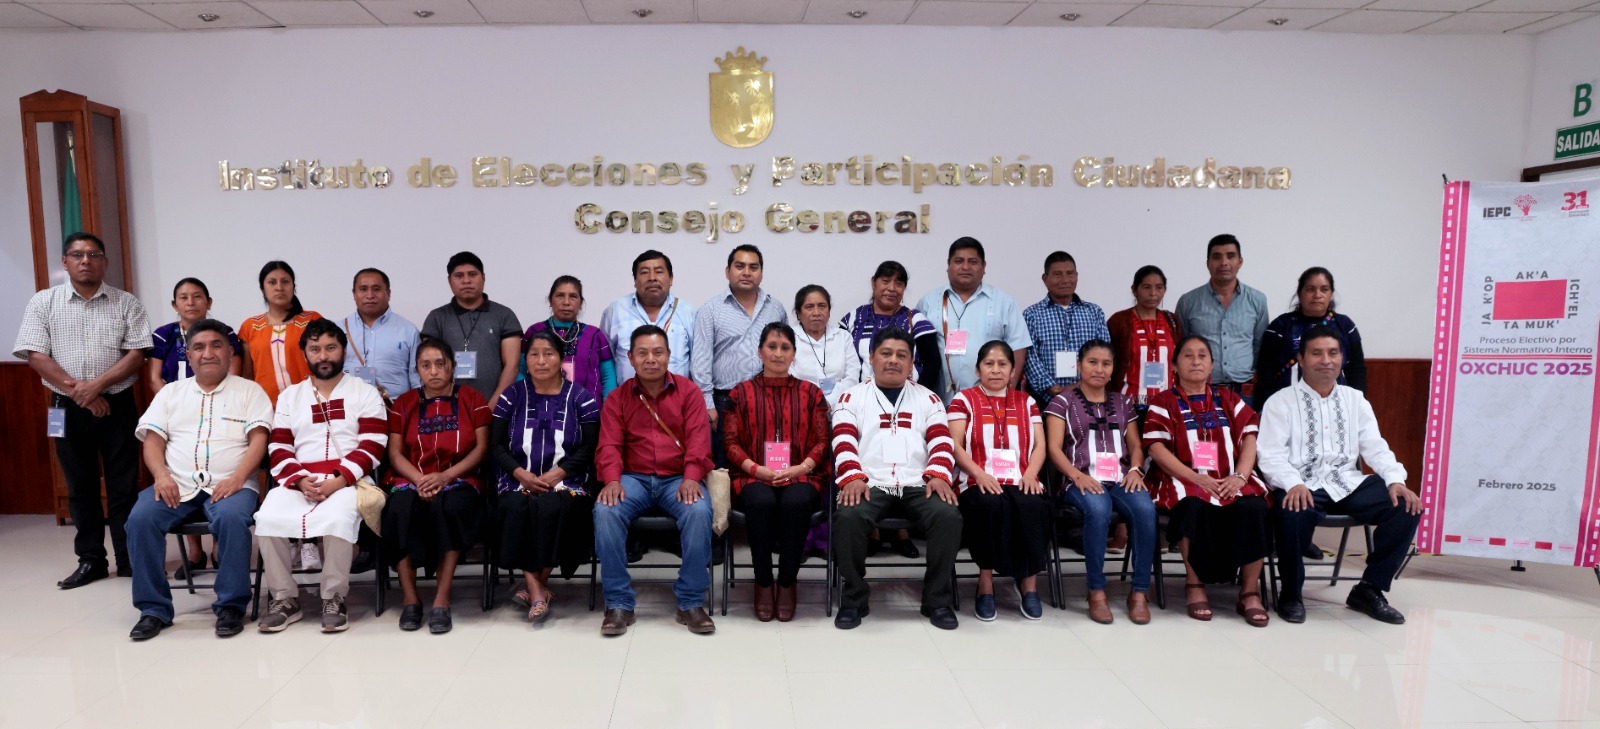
[1485, 647]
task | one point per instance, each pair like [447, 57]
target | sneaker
[230, 621]
[335, 616]
[983, 608]
[280, 613]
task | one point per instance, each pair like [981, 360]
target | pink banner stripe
[1441, 410]
[1589, 518]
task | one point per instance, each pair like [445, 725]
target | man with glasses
[87, 341]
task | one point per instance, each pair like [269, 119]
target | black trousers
[852, 526]
[779, 514]
[91, 445]
[1368, 504]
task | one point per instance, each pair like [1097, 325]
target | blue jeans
[147, 548]
[1139, 511]
[640, 493]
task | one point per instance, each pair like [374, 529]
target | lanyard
[822, 359]
[666, 326]
[793, 401]
[1102, 418]
[360, 356]
[944, 333]
[1201, 422]
[1150, 332]
[944, 306]
[466, 340]
[569, 347]
[1001, 408]
[660, 422]
[893, 411]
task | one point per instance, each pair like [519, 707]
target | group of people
[972, 417]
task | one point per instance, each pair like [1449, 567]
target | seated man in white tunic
[328, 436]
[1314, 436]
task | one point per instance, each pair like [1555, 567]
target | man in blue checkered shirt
[1059, 325]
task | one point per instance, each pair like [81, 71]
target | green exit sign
[1578, 141]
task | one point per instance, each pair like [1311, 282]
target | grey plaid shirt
[85, 336]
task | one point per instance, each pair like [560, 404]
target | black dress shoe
[1291, 610]
[1370, 600]
[230, 622]
[439, 620]
[124, 570]
[149, 626]
[83, 575]
[411, 617]
[365, 562]
[942, 618]
[849, 618]
[1312, 551]
[185, 570]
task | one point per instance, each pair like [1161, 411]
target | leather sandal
[1199, 609]
[1256, 617]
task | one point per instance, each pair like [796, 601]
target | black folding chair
[736, 518]
[197, 525]
[1343, 523]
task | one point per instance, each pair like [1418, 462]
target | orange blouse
[275, 353]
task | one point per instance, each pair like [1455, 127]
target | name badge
[1066, 364]
[956, 342]
[778, 456]
[1155, 375]
[567, 369]
[367, 374]
[55, 423]
[1004, 466]
[1205, 456]
[897, 447]
[466, 365]
[1107, 467]
[827, 385]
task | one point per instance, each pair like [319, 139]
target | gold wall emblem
[741, 100]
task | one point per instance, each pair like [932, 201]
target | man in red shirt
[654, 452]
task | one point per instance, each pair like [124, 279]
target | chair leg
[1338, 559]
[1160, 580]
[828, 569]
[594, 580]
[1058, 587]
[183, 555]
[727, 571]
[255, 598]
[488, 579]
[382, 580]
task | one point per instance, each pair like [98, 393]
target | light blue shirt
[389, 347]
[725, 343]
[626, 314]
[990, 314]
[1234, 332]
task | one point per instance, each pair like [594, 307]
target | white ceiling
[1348, 16]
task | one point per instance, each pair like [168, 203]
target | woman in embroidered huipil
[586, 357]
[543, 441]
[1203, 438]
[438, 438]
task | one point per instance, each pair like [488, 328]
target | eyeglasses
[91, 255]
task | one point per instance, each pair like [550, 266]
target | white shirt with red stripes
[891, 444]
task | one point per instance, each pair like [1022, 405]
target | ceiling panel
[1552, 23]
[1089, 14]
[229, 15]
[1380, 21]
[438, 12]
[1449, 6]
[878, 12]
[750, 11]
[622, 11]
[304, 13]
[1531, 6]
[18, 16]
[1480, 23]
[1175, 16]
[104, 16]
[543, 12]
[1293, 19]
[965, 12]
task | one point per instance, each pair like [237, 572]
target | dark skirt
[1221, 538]
[551, 530]
[1007, 532]
[426, 530]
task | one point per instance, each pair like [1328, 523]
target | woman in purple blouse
[585, 350]
[543, 439]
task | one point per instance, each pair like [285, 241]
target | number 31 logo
[1575, 200]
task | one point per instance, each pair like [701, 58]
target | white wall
[1563, 58]
[1368, 124]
